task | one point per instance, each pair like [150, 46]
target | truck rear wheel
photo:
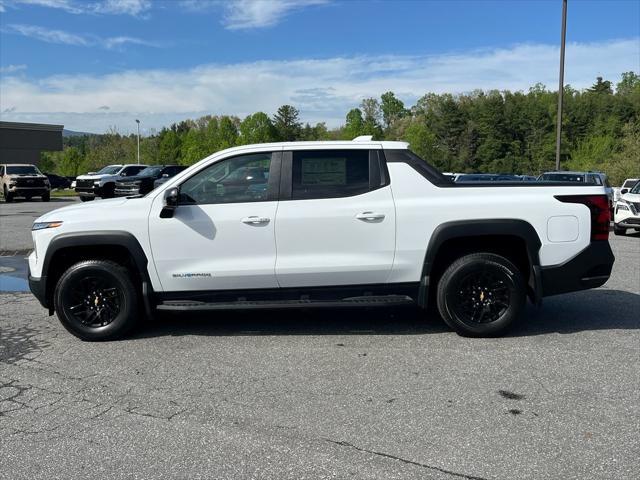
[481, 295]
[96, 300]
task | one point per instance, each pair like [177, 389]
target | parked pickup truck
[103, 182]
[143, 182]
[320, 224]
[23, 180]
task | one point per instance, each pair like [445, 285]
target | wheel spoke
[482, 296]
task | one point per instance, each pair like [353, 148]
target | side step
[365, 301]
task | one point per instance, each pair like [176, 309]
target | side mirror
[170, 202]
[623, 191]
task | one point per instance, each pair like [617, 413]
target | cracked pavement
[369, 394]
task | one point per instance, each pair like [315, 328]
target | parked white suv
[103, 182]
[320, 224]
[627, 211]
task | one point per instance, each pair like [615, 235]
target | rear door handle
[255, 220]
[370, 216]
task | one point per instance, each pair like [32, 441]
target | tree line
[482, 131]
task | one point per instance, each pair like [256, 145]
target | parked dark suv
[143, 182]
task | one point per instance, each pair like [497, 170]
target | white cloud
[246, 14]
[116, 42]
[12, 68]
[66, 5]
[121, 7]
[323, 90]
[66, 38]
[47, 35]
[113, 7]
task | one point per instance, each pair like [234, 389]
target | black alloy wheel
[481, 295]
[96, 300]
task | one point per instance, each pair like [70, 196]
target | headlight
[46, 182]
[97, 182]
[43, 225]
[624, 205]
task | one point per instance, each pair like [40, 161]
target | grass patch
[64, 193]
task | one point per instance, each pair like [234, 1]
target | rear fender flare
[475, 228]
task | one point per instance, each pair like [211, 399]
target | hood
[136, 178]
[84, 209]
[26, 175]
[94, 177]
[631, 197]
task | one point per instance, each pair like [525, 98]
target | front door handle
[370, 216]
[255, 220]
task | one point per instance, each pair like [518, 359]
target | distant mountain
[71, 133]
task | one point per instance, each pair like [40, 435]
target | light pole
[561, 83]
[138, 125]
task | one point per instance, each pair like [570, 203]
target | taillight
[600, 216]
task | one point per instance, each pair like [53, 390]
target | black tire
[95, 300]
[8, 196]
[108, 191]
[86, 199]
[46, 197]
[481, 295]
[619, 230]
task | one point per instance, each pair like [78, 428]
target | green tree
[629, 84]
[257, 128]
[601, 86]
[71, 162]
[169, 148]
[354, 126]
[626, 162]
[287, 124]
[193, 147]
[392, 109]
[227, 133]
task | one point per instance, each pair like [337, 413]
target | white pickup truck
[320, 224]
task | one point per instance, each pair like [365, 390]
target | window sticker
[324, 171]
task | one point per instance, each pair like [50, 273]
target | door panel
[323, 242]
[221, 236]
[209, 247]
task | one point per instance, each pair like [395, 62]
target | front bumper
[38, 288]
[629, 222]
[88, 191]
[126, 191]
[31, 191]
[591, 268]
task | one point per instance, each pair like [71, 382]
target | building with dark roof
[23, 142]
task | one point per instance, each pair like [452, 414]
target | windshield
[636, 189]
[629, 183]
[150, 172]
[110, 170]
[22, 170]
[562, 177]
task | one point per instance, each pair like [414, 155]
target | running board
[365, 301]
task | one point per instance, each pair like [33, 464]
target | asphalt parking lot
[307, 394]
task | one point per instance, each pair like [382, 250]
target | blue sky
[96, 64]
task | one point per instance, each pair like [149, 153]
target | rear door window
[330, 174]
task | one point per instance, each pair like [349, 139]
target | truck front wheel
[481, 295]
[619, 230]
[96, 300]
